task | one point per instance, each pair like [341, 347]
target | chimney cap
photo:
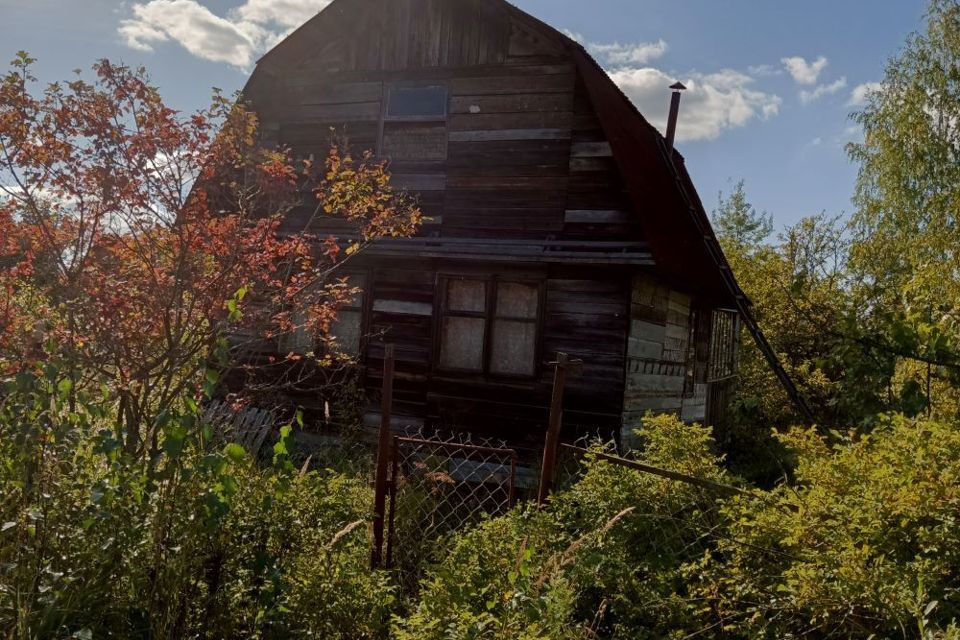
[678, 86]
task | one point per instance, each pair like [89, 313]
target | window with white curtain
[489, 326]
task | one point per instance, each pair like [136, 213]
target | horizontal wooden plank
[556, 257]
[591, 150]
[510, 121]
[509, 134]
[598, 216]
[611, 310]
[419, 182]
[517, 68]
[463, 225]
[512, 84]
[321, 134]
[529, 198]
[310, 91]
[331, 112]
[498, 183]
[608, 285]
[582, 165]
[510, 158]
[573, 321]
[517, 103]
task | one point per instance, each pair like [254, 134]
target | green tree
[905, 257]
[737, 222]
[800, 285]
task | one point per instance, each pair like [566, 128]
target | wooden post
[552, 444]
[383, 459]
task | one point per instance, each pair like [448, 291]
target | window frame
[318, 346]
[724, 345]
[388, 94]
[490, 317]
[366, 303]
[386, 118]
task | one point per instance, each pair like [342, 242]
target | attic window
[417, 103]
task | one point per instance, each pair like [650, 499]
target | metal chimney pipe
[674, 113]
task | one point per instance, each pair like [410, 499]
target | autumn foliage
[134, 239]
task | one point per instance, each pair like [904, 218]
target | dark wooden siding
[521, 155]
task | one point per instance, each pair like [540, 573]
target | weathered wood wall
[585, 317]
[667, 352]
[520, 155]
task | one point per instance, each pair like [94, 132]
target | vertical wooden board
[432, 55]
[370, 54]
[467, 34]
[483, 29]
[493, 34]
[402, 33]
[424, 28]
[446, 22]
[455, 43]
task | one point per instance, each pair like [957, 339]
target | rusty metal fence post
[552, 443]
[383, 459]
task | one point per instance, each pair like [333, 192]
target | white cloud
[764, 70]
[237, 38]
[712, 104]
[284, 13]
[861, 93]
[628, 54]
[804, 72]
[821, 90]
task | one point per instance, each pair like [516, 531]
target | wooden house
[560, 220]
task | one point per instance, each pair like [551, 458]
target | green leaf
[65, 387]
[235, 453]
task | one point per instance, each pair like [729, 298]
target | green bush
[866, 544]
[605, 560]
[195, 542]
[199, 541]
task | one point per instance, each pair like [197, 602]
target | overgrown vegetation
[863, 310]
[204, 543]
[126, 260]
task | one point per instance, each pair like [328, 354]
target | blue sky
[772, 81]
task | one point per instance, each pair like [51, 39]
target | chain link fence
[439, 485]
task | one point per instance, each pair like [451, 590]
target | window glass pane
[417, 101]
[514, 348]
[346, 332]
[357, 280]
[467, 295]
[462, 343]
[300, 338]
[515, 300]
